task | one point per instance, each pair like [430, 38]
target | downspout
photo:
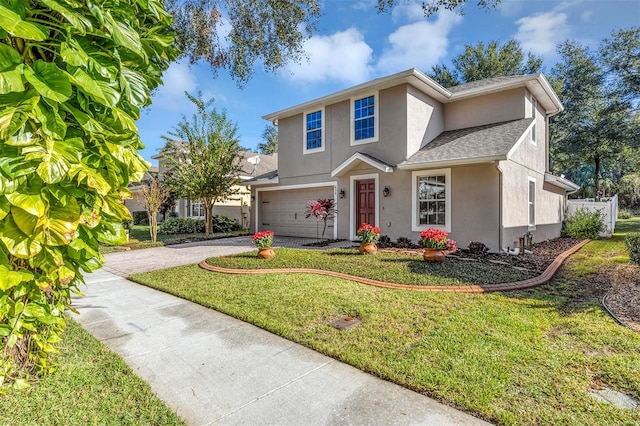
[497, 164]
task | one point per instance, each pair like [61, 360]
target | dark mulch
[623, 298]
[323, 243]
[543, 253]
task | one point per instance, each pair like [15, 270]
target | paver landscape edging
[486, 288]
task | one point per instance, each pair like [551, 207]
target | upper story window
[365, 120]
[534, 114]
[313, 131]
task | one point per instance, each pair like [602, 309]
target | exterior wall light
[386, 191]
[341, 194]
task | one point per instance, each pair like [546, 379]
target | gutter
[450, 163]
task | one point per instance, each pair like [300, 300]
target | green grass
[93, 386]
[526, 357]
[141, 239]
[389, 267]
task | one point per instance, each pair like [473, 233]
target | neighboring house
[404, 153]
[252, 165]
[136, 202]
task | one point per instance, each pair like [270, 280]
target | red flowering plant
[437, 239]
[323, 210]
[263, 239]
[368, 233]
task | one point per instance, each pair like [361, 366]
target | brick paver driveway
[132, 262]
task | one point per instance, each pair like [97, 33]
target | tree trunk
[153, 226]
[596, 177]
[207, 204]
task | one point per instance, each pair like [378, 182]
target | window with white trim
[532, 202]
[534, 111]
[196, 209]
[432, 199]
[364, 120]
[313, 131]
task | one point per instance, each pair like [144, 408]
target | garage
[282, 211]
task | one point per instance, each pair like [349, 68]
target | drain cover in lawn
[346, 323]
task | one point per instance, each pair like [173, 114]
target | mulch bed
[322, 243]
[623, 298]
[543, 253]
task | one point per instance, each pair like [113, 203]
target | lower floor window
[432, 195]
[197, 210]
[431, 199]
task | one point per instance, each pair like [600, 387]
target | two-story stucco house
[404, 153]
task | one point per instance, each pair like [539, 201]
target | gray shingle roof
[487, 141]
[267, 163]
[485, 82]
[266, 176]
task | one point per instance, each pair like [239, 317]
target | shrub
[404, 242]
[583, 224]
[385, 241]
[140, 218]
[224, 224]
[632, 240]
[181, 225]
[624, 214]
[477, 248]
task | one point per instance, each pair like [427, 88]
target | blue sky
[354, 44]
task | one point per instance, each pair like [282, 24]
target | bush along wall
[74, 77]
[632, 240]
[583, 224]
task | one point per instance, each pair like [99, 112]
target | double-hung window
[313, 131]
[532, 202]
[431, 200]
[197, 209]
[534, 111]
[364, 120]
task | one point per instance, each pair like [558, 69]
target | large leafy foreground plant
[73, 77]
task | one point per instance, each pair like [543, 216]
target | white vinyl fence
[608, 207]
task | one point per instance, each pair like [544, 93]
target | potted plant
[435, 243]
[263, 241]
[369, 236]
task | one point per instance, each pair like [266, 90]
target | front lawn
[389, 267]
[527, 357]
[92, 386]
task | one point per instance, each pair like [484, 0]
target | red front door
[365, 202]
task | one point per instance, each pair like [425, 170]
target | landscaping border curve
[541, 279]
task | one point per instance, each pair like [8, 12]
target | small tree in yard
[322, 210]
[205, 158]
[155, 194]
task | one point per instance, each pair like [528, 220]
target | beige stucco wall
[492, 108]
[474, 205]
[425, 120]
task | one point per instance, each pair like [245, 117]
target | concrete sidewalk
[213, 369]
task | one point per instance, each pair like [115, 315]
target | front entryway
[365, 202]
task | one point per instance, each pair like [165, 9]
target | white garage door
[283, 212]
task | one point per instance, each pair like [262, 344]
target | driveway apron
[214, 369]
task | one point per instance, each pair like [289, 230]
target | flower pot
[368, 248]
[433, 255]
[266, 253]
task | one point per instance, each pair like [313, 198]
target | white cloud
[586, 15]
[541, 33]
[177, 79]
[343, 56]
[418, 45]
[408, 12]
